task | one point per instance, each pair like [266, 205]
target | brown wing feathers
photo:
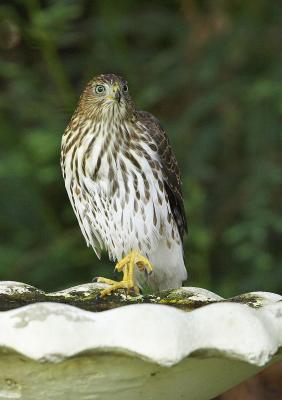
[171, 172]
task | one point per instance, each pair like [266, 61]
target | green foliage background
[209, 70]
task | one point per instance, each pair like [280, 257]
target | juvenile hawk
[124, 185]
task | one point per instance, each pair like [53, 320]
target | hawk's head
[106, 97]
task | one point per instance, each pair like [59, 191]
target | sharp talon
[104, 293]
[127, 266]
[140, 266]
[147, 273]
[136, 290]
[95, 279]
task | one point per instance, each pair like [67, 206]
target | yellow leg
[106, 280]
[127, 265]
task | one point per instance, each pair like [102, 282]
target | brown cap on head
[108, 78]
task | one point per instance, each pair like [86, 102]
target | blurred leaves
[211, 72]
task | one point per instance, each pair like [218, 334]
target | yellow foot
[126, 265]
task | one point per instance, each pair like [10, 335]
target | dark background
[209, 70]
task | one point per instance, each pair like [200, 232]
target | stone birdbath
[182, 344]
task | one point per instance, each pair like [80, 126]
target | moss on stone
[87, 297]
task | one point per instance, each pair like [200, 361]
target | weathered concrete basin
[151, 349]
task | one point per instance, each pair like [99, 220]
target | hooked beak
[118, 96]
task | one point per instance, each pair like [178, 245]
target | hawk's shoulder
[172, 178]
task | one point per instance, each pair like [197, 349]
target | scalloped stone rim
[157, 333]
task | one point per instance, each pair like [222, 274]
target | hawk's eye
[99, 89]
[125, 88]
